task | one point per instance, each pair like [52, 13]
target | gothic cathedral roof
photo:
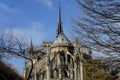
[60, 37]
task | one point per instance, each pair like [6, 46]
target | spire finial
[59, 29]
[31, 47]
[31, 43]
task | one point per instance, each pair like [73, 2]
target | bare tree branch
[99, 27]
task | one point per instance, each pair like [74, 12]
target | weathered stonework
[58, 60]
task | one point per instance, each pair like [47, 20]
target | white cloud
[35, 24]
[35, 30]
[5, 7]
[47, 3]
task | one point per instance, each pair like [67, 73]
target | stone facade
[58, 60]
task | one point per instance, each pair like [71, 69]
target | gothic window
[62, 40]
[77, 59]
[63, 59]
[62, 53]
[85, 56]
[44, 45]
[48, 45]
[71, 50]
[68, 58]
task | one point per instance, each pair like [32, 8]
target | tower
[60, 60]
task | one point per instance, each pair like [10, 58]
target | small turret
[31, 48]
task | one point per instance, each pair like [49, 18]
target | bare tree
[99, 26]
[16, 46]
[10, 43]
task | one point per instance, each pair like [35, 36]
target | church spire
[59, 29]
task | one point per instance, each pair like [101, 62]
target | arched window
[62, 53]
[48, 45]
[62, 40]
[44, 45]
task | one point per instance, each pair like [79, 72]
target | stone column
[25, 70]
[75, 72]
[35, 74]
[81, 67]
[59, 73]
[75, 54]
[48, 64]
[66, 59]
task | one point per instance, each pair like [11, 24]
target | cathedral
[60, 59]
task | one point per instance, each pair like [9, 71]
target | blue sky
[36, 19]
